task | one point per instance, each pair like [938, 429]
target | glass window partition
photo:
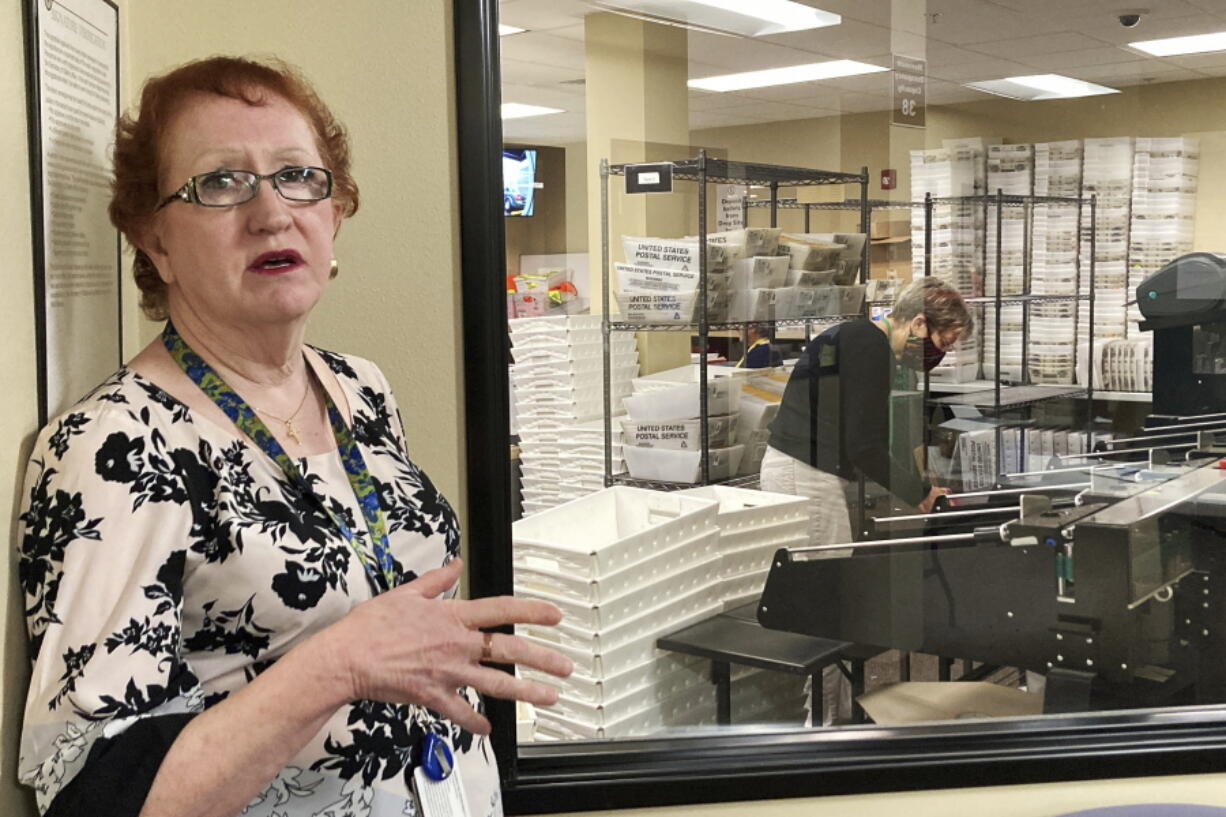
[862, 377]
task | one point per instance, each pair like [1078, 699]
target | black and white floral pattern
[165, 563]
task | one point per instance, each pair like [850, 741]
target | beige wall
[385, 68]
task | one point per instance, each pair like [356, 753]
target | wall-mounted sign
[910, 83]
[649, 178]
[72, 62]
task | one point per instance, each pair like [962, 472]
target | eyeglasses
[226, 188]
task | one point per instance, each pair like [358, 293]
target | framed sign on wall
[72, 71]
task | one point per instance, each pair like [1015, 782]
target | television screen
[518, 181]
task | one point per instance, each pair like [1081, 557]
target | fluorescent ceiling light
[785, 76]
[1041, 86]
[1174, 46]
[504, 30]
[515, 110]
[740, 17]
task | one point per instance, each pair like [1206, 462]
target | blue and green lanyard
[380, 569]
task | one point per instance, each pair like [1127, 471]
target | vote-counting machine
[1106, 572]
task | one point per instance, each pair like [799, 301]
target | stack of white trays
[753, 525]
[558, 401]
[1164, 184]
[958, 168]
[626, 566]
[1054, 262]
[1107, 173]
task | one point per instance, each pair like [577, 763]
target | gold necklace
[288, 422]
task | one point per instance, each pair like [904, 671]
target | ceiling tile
[568, 127]
[530, 73]
[1132, 73]
[711, 101]
[1217, 7]
[551, 96]
[1199, 61]
[542, 15]
[1026, 48]
[949, 93]
[1069, 60]
[985, 69]
[545, 49]
[718, 119]
[962, 22]
[576, 32]
[733, 55]
[852, 40]
[944, 54]
[774, 111]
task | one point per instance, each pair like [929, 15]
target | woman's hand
[409, 646]
[931, 500]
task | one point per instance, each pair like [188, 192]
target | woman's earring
[334, 269]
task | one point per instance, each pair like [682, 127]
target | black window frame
[735, 765]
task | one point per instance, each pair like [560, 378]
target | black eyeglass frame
[189, 193]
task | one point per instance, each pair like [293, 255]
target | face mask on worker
[920, 354]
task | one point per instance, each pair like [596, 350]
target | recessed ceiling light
[504, 30]
[1174, 46]
[785, 76]
[747, 19]
[1037, 87]
[516, 110]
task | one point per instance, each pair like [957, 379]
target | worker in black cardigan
[833, 424]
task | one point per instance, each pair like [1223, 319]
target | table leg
[817, 700]
[944, 667]
[904, 666]
[857, 689]
[721, 676]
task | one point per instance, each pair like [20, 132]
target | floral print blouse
[165, 562]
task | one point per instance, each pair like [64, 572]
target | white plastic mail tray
[597, 690]
[702, 546]
[681, 466]
[681, 434]
[639, 278]
[613, 710]
[752, 240]
[742, 509]
[760, 272]
[614, 661]
[608, 531]
[756, 557]
[683, 401]
[656, 307]
[756, 414]
[640, 629]
[611, 611]
[694, 707]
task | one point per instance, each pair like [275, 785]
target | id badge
[440, 792]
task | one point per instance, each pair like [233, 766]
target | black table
[735, 637]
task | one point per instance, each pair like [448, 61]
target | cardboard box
[927, 701]
[890, 228]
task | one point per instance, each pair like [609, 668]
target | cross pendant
[292, 432]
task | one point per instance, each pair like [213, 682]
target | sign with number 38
[910, 84]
